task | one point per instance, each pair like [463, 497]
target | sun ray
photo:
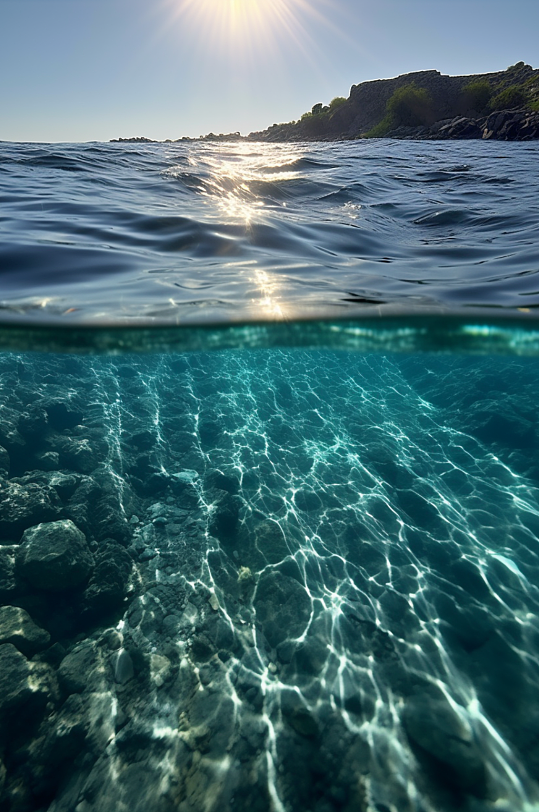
[250, 28]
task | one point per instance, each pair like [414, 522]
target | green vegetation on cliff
[412, 106]
[476, 96]
[409, 106]
[415, 100]
[320, 115]
[513, 96]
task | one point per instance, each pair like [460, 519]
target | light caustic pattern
[337, 585]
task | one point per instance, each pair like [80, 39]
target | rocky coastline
[503, 125]
[500, 106]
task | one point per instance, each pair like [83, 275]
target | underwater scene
[269, 477]
[274, 580]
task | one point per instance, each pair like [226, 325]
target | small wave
[444, 217]
[55, 161]
[319, 223]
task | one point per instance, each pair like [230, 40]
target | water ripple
[319, 221]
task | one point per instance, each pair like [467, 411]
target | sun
[239, 26]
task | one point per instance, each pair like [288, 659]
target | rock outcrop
[502, 125]
[452, 111]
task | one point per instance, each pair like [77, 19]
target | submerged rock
[109, 581]
[18, 687]
[77, 454]
[224, 520]
[33, 424]
[48, 460]
[123, 667]
[282, 606]
[8, 581]
[4, 461]
[54, 556]
[22, 506]
[80, 670]
[66, 739]
[452, 752]
[17, 627]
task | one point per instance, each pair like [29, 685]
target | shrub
[511, 97]
[409, 106]
[516, 67]
[337, 102]
[381, 129]
[476, 95]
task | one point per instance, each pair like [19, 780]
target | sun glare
[254, 26]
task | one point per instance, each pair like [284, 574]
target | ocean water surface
[269, 478]
[222, 232]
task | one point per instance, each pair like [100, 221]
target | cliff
[434, 101]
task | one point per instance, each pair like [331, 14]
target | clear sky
[84, 70]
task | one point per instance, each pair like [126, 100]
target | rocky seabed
[270, 581]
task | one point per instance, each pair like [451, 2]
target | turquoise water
[269, 479]
[307, 580]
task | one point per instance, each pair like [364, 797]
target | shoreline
[424, 105]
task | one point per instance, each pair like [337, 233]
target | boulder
[8, 582]
[64, 484]
[18, 628]
[66, 739]
[4, 461]
[81, 669]
[460, 127]
[123, 666]
[448, 743]
[225, 515]
[110, 579]
[33, 424]
[48, 460]
[9, 432]
[54, 556]
[18, 688]
[283, 607]
[76, 454]
[511, 125]
[22, 506]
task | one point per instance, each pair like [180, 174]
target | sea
[269, 477]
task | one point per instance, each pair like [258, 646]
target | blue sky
[83, 70]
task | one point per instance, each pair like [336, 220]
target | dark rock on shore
[511, 125]
[137, 139]
[503, 125]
